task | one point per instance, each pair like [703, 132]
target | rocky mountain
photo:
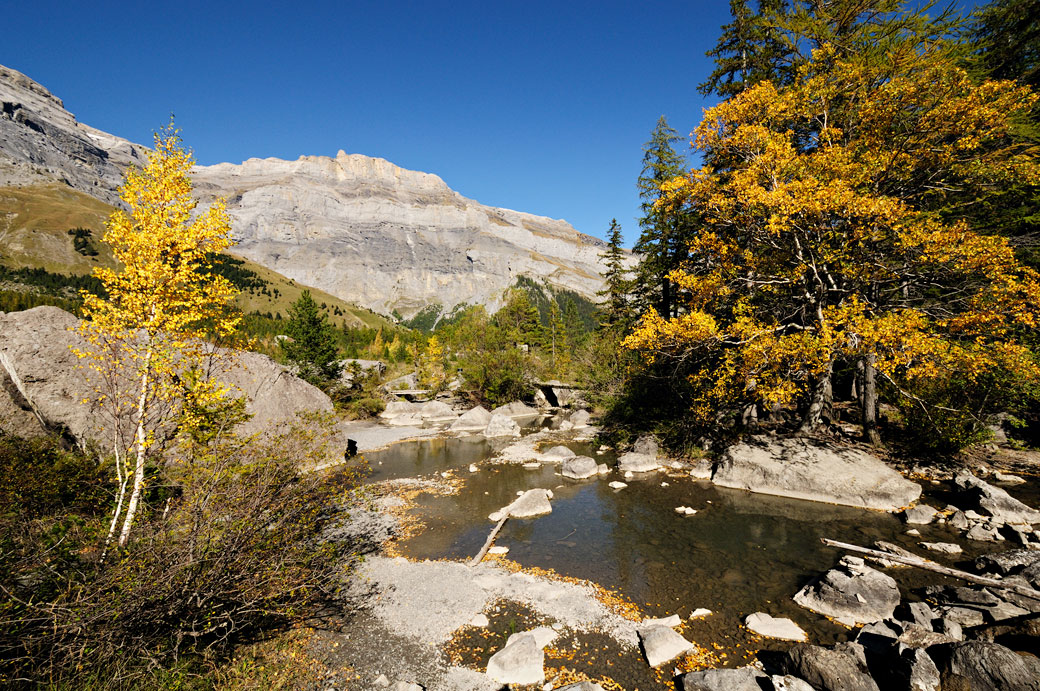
[360, 228]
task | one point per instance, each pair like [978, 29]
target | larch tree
[819, 244]
[148, 332]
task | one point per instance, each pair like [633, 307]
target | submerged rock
[800, 469]
[661, 644]
[853, 593]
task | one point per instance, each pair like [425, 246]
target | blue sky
[536, 106]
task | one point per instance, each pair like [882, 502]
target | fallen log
[489, 541]
[911, 559]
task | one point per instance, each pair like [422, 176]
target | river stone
[1007, 479]
[828, 670]
[473, 420]
[980, 532]
[579, 419]
[1009, 562]
[533, 502]
[853, 593]
[943, 547]
[774, 627]
[993, 501]
[632, 462]
[670, 621]
[922, 514]
[581, 686]
[501, 426]
[646, 445]
[543, 636]
[37, 364]
[919, 671]
[579, 468]
[801, 469]
[406, 686]
[558, 453]
[521, 661]
[982, 665]
[740, 679]
[436, 411]
[701, 470]
[396, 408]
[516, 410]
[661, 644]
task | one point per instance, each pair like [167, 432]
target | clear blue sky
[536, 106]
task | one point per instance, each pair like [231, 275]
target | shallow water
[740, 553]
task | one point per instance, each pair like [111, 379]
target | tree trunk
[135, 495]
[749, 418]
[818, 401]
[868, 401]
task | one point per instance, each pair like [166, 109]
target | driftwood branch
[489, 541]
[920, 562]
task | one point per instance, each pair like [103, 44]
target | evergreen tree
[750, 50]
[663, 239]
[312, 349]
[615, 276]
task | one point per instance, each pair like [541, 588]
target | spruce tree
[312, 349]
[750, 50]
[663, 239]
[617, 312]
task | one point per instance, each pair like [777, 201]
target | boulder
[436, 411]
[801, 469]
[543, 636]
[661, 644]
[516, 410]
[579, 419]
[774, 627]
[917, 671]
[501, 426]
[837, 669]
[982, 665]
[942, 547]
[51, 382]
[646, 445]
[632, 462]
[789, 683]
[406, 686]
[557, 454]
[521, 661]
[993, 501]
[579, 468]
[398, 408]
[922, 514]
[853, 593]
[1006, 563]
[473, 420]
[740, 679]
[533, 502]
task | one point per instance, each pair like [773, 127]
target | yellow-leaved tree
[830, 237]
[148, 334]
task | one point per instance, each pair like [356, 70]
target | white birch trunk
[135, 495]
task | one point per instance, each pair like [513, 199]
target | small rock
[671, 622]
[532, 466]
[617, 485]
[944, 547]
[382, 681]
[558, 453]
[543, 635]
[701, 470]
[789, 683]
[775, 627]
[501, 426]
[853, 593]
[994, 501]
[914, 532]
[602, 469]
[480, 621]
[661, 644]
[699, 612]
[472, 468]
[1007, 478]
[579, 468]
[837, 669]
[581, 686]
[533, 502]
[922, 514]
[629, 475]
[685, 510]
[664, 484]
[498, 550]
[983, 533]
[521, 661]
[406, 686]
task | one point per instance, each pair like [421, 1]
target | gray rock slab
[637, 463]
[853, 593]
[827, 669]
[942, 547]
[981, 665]
[501, 426]
[579, 468]
[789, 683]
[921, 514]
[774, 627]
[581, 686]
[740, 679]
[1007, 563]
[533, 502]
[521, 661]
[661, 644]
[993, 501]
[800, 469]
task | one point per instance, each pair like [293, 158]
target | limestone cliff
[360, 228]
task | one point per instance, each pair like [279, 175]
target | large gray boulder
[740, 679]
[853, 593]
[473, 420]
[992, 501]
[38, 364]
[981, 665]
[800, 469]
[437, 411]
[637, 463]
[837, 669]
[501, 426]
[579, 468]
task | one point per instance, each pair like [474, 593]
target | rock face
[853, 593]
[361, 228]
[799, 469]
[37, 364]
[992, 501]
[40, 141]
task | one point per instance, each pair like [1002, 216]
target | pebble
[472, 468]
[914, 532]
[381, 680]
[664, 484]
[629, 474]
[480, 620]
[685, 510]
[699, 612]
[618, 485]
[498, 550]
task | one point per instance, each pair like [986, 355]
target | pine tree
[618, 285]
[663, 238]
[750, 50]
[312, 349]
